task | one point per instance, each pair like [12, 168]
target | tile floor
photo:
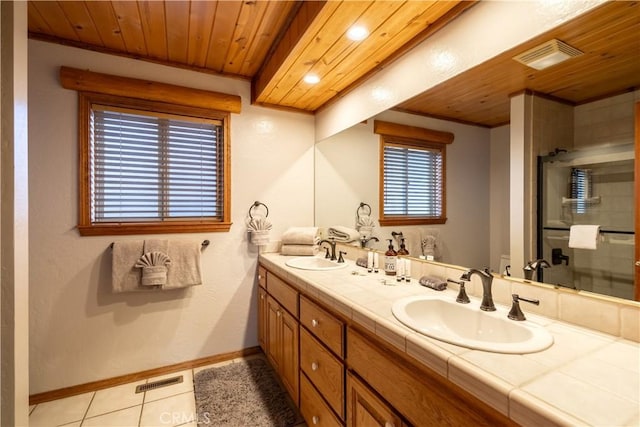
[120, 406]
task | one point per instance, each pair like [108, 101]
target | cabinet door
[273, 340]
[289, 337]
[365, 409]
[263, 325]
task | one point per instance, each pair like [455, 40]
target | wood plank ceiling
[609, 36]
[276, 43]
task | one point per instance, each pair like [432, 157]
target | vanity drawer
[314, 410]
[262, 277]
[323, 325]
[324, 370]
[285, 294]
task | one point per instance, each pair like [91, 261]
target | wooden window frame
[87, 227]
[411, 137]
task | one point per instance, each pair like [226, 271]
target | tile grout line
[86, 411]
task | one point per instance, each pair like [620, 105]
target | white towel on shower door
[584, 236]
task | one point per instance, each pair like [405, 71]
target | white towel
[584, 236]
[301, 236]
[299, 250]
[343, 234]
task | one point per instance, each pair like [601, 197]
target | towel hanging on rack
[584, 236]
[184, 269]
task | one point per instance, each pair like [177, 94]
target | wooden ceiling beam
[307, 17]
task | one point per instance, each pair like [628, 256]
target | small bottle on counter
[390, 259]
[400, 269]
[376, 262]
[369, 262]
[407, 270]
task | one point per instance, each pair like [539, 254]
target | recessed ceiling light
[357, 33]
[311, 79]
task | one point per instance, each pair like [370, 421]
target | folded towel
[584, 236]
[124, 276]
[433, 283]
[185, 264]
[299, 250]
[343, 234]
[362, 261]
[154, 270]
[156, 245]
[259, 224]
[183, 271]
[365, 221]
[301, 236]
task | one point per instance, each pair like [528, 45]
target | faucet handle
[327, 254]
[462, 297]
[340, 258]
[516, 313]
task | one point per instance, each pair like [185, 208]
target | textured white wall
[347, 173]
[499, 198]
[79, 330]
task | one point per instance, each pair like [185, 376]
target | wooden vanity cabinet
[341, 374]
[365, 409]
[278, 330]
[322, 364]
[262, 308]
[422, 396]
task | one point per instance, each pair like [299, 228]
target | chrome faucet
[331, 243]
[364, 241]
[487, 279]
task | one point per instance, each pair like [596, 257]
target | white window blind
[413, 181]
[154, 167]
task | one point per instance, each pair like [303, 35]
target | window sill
[108, 229]
[390, 221]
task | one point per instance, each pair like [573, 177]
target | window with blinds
[412, 182]
[153, 171]
[412, 174]
[154, 168]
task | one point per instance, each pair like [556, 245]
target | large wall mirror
[585, 109]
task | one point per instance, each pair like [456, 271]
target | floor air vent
[159, 384]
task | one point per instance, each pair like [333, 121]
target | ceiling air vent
[547, 54]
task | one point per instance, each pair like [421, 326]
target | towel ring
[362, 206]
[255, 205]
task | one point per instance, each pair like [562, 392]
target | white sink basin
[468, 326]
[314, 263]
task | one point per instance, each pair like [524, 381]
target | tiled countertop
[584, 378]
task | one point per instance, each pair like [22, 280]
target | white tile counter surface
[584, 378]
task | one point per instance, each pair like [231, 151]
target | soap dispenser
[390, 258]
[403, 250]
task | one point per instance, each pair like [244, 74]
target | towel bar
[205, 243]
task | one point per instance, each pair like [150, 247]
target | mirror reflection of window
[581, 189]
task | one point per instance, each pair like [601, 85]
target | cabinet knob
[388, 424]
[315, 419]
[278, 313]
[314, 366]
[259, 277]
[261, 296]
[314, 323]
